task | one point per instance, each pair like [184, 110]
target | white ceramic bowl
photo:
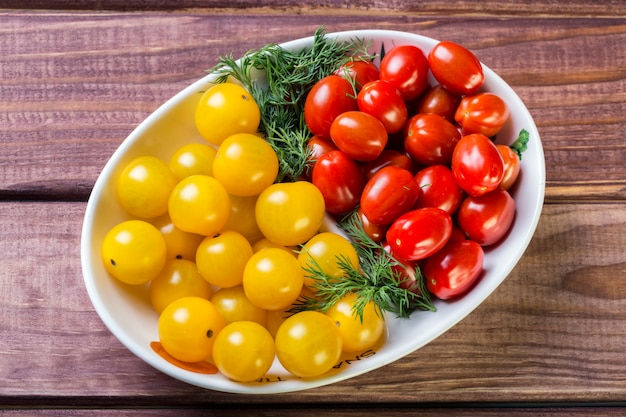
[126, 310]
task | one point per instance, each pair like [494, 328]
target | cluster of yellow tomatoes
[225, 251]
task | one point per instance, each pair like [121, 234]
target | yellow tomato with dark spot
[358, 334]
[188, 328]
[225, 109]
[134, 252]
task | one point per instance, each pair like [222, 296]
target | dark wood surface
[75, 79]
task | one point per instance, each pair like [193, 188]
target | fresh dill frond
[279, 80]
[376, 279]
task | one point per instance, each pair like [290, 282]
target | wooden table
[77, 77]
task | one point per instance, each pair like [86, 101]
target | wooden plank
[336, 411]
[392, 7]
[74, 85]
[552, 333]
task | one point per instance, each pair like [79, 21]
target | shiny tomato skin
[388, 194]
[438, 100]
[376, 232]
[328, 98]
[487, 219]
[456, 68]
[438, 188]
[511, 166]
[362, 72]
[383, 101]
[430, 139]
[317, 147]
[453, 270]
[360, 135]
[405, 272]
[477, 164]
[340, 181]
[406, 68]
[386, 158]
[418, 234]
[484, 113]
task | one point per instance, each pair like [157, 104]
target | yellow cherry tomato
[179, 278]
[245, 164]
[134, 252]
[188, 327]
[221, 259]
[225, 109]
[244, 351]
[308, 344]
[272, 279]
[234, 305]
[265, 243]
[199, 204]
[241, 218]
[290, 213]
[276, 317]
[357, 335]
[144, 186]
[192, 159]
[325, 250]
[180, 244]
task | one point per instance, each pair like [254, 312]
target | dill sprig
[279, 80]
[376, 280]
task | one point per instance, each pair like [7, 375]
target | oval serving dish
[127, 312]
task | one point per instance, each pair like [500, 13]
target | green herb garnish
[376, 280]
[279, 81]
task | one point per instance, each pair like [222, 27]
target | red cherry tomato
[430, 139]
[438, 188]
[418, 234]
[406, 68]
[486, 219]
[457, 234]
[451, 272]
[340, 181]
[477, 164]
[383, 101]
[329, 97]
[360, 135]
[484, 113]
[440, 101]
[405, 272]
[388, 194]
[456, 68]
[376, 232]
[362, 72]
[511, 166]
[388, 157]
[317, 147]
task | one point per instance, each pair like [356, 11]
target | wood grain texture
[552, 332]
[63, 74]
[581, 8]
[76, 79]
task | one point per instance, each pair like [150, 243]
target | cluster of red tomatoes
[417, 160]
